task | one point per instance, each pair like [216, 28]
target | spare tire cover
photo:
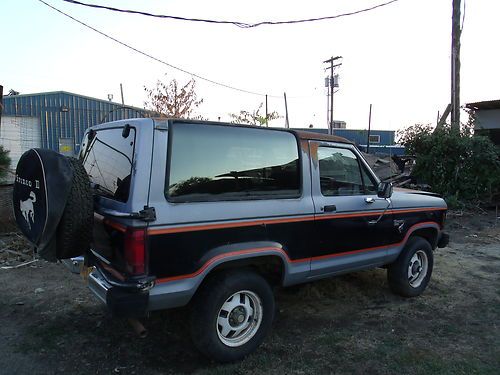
[42, 184]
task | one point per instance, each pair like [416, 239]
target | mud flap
[41, 188]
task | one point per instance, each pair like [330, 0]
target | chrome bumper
[98, 286]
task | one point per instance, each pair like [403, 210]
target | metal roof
[73, 94]
[488, 104]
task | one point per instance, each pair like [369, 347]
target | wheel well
[430, 234]
[271, 267]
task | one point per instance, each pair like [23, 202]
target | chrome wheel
[239, 318]
[417, 269]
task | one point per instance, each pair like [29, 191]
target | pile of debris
[15, 251]
[395, 169]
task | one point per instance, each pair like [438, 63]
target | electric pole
[369, 129]
[455, 66]
[287, 124]
[331, 86]
[121, 91]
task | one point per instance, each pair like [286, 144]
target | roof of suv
[301, 134]
[319, 136]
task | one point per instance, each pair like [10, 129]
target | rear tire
[409, 275]
[231, 315]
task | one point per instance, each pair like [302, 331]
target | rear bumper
[134, 297]
[121, 301]
[444, 239]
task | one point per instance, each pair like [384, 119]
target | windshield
[107, 156]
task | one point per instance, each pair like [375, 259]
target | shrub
[4, 161]
[460, 166]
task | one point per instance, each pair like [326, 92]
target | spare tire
[53, 204]
[74, 232]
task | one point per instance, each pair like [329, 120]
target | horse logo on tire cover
[27, 208]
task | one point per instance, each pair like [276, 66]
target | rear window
[107, 156]
[212, 162]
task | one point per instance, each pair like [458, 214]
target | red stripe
[263, 249]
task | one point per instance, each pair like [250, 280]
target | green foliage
[254, 117]
[4, 161]
[458, 165]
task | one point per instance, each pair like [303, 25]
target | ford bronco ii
[166, 213]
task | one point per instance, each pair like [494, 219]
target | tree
[4, 161]
[173, 100]
[254, 117]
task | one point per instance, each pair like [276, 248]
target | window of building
[374, 138]
[342, 174]
[212, 162]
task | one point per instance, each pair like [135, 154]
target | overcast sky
[396, 57]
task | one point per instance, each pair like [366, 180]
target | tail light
[135, 250]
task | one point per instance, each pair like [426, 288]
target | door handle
[369, 200]
[330, 208]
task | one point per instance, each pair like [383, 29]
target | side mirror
[384, 190]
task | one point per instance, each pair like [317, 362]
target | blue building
[59, 118]
[381, 141]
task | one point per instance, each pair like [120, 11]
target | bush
[4, 161]
[458, 165]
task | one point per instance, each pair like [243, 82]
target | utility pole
[331, 86]
[121, 91]
[455, 66]
[369, 128]
[1, 104]
[267, 115]
[287, 124]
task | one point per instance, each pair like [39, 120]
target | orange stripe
[408, 233]
[191, 228]
[221, 256]
[257, 250]
[117, 226]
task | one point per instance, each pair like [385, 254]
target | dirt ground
[50, 323]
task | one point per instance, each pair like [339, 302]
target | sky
[396, 57]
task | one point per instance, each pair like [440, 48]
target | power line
[153, 57]
[243, 25]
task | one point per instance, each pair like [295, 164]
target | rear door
[117, 160]
[352, 224]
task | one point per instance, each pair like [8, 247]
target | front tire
[231, 315]
[409, 275]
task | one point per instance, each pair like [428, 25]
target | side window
[341, 173]
[212, 162]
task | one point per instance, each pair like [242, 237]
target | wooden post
[1, 103]
[267, 114]
[121, 91]
[287, 124]
[369, 128]
[455, 66]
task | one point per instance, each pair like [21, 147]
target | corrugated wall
[66, 115]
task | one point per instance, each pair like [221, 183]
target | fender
[395, 250]
[178, 290]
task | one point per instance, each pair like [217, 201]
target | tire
[74, 231]
[237, 299]
[409, 275]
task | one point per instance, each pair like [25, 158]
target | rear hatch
[109, 154]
